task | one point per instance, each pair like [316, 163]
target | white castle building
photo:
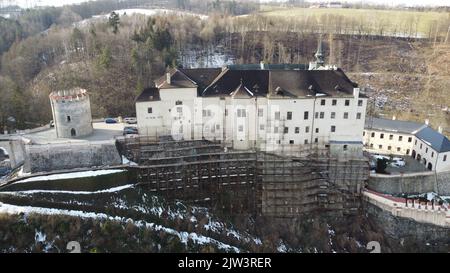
[289, 109]
[418, 140]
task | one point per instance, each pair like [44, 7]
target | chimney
[440, 129]
[427, 121]
[394, 117]
[168, 77]
[356, 92]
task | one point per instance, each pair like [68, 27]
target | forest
[114, 57]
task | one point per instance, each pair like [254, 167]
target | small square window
[347, 102]
[358, 115]
[333, 128]
[289, 116]
[291, 141]
[400, 138]
[297, 130]
[391, 137]
[149, 110]
[261, 127]
[260, 112]
[286, 130]
[346, 115]
[307, 129]
[316, 140]
[380, 146]
[373, 135]
[333, 102]
[360, 103]
[445, 158]
[277, 115]
[322, 102]
[345, 147]
[381, 136]
[306, 142]
[333, 115]
[322, 115]
[317, 130]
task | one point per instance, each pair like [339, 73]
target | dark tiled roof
[436, 140]
[268, 67]
[177, 80]
[400, 126]
[149, 94]
[257, 81]
[282, 83]
[202, 76]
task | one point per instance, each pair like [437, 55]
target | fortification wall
[15, 149]
[413, 183]
[50, 157]
[398, 221]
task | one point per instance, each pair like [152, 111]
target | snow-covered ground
[70, 175]
[115, 189]
[184, 236]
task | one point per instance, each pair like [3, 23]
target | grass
[392, 19]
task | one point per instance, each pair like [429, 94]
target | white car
[130, 120]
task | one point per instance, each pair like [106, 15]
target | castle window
[241, 113]
[275, 130]
[277, 115]
[333, 102]
[261, 127]
[322, 102]
[316, 140]
[291, 141]
[360, 103]
[346, 115]
[297, 130]
[241, 128]
[345, 147]
[289, 116]
[333, 128]
[398, 149]
[317, 130]
[409, 139]
[400, 138]
[373, 134]
[68, 118]
[307, 129]
[432, 154]
[178, 102]
[420, 145]
[371, 145]
[149, 110]
[391, 137]
[381, 136]
[445, 158]
[389, 148]
[306, 141]
[358, 115]
[305, 115]
[322, 115]
[347, 102]
[333, 115]
[380, 147]
[286, 130]
[426, 150]
[260, 112]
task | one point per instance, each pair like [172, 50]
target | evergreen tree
[114, 21]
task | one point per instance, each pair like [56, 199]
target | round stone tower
[71, 113]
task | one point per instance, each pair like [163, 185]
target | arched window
[430, 166]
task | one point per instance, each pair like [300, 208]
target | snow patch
[69, 175]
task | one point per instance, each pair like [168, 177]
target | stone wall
[15, 149]
[402, 228]
[51, 157]
[413, 183]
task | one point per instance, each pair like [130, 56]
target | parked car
[110, 120]
[130, 120]
[129, 130]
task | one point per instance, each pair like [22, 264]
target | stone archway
[430, 166]
[413, 154]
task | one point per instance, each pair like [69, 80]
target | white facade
[294, 125]
[387, 142]
[433, 160]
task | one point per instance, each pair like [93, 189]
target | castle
[279, 108]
